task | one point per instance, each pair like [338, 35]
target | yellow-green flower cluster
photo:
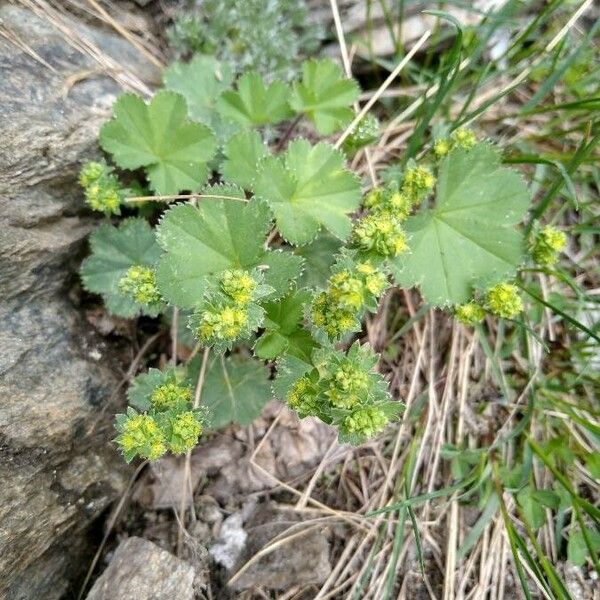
[381, 233]
[470, 313]
[185, 431]
[349, 386]
[364, 422]
[239, 285]
[302, 397]
[344, 390]
[459, 138]
[365, 133]
[140, 435]
[102, 189]
[170, 395]
[336, 310]
[417, 184]
[548, 243]
[463, 138]
[221, 323]
[168, 423]
[229, 312]
[139, 284]
[503, 300]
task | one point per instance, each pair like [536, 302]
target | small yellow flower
[463, 138]
[186, 429]
[141, 436]
[417, 183]
[139, 283]
[365, 422]
[238, 285]
[170, 395]
[441, 147]
[504, 301]
[548, 244]
[470, 313]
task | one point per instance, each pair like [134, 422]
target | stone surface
[140, 570]
[58, 469]
[294, 552]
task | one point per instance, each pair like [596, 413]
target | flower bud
[365, 422]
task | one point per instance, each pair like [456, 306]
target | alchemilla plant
[242, 224]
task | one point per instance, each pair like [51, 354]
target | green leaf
[244, 151]
[284, 333]
[469, 238]
[532, 509]
[159, 137]
[324, 95]
[218, 235]
[201, 82]
[114, 251]
[235, 390]
[577, 550]
[255, 103]
[319, 257]
[308, 188]
[289, 370]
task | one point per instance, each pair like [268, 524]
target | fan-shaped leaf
[324, 95]
[159, 137]
[114, 251]
[307, 188]
[469, 238]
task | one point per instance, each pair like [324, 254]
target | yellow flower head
[139, 283]
[417, 183]
[470, 313]
[365, 422]
[504, 301]
[170, 395]
[441, 147]
[186, 429]
[238, 285]
[142, 436]
[548, 244]
[463, 138]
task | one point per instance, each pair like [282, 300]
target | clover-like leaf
[201, 82]
[308, 188]
[256, 103]
[469, 238]
[235, 389]
[159, 137]
[114, 251]
[325, 95]
[218, 235]
[243, 151]
[284, 333]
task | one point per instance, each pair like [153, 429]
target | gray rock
[58, 469]
[294, 552]
[140, 570]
